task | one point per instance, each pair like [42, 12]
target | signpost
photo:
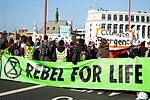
[64, 33]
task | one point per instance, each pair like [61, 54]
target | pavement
[11, 90]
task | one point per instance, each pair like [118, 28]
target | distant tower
[35, 31]
[15, 34]
[57, 16]
[35, 28]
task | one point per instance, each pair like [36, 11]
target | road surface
[10, 90]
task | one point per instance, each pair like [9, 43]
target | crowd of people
[50, 50]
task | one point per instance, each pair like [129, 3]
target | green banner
[105, 73]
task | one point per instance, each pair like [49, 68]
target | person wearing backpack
[80, 52]
[14, 49]
[45, 50]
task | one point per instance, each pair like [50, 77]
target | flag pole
[45, 13]
[129, 5]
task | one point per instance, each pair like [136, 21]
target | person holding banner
[14, 49]
[45, 50]
[22, 44]
[3, 41]
[147, 53]
[28, 50]
[143, 49]
[103, 50]
[3, 44]
[92, 50]
[61, 52]
[80, 52]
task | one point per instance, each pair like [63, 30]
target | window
[109, 16]
[109, 27]
[47, 28]
[103, 16]
[103, 25]
[91, 25]
[53, 28]
[138, 27]
[99, 25]
[132, 18]
[132, 26]
[147, 19]
[143, 31]
[121, 28]
[126, 17]
[148, 32]
[142, 19]
[120, 17]
[90, 29]
[115, 17]
[115, 28]
[126, 28]
[137, 18]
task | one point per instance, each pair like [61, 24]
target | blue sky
[18, 14]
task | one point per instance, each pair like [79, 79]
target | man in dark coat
[3, 41]
[77, 52]
[143, 49]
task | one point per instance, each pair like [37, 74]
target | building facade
[54, 28]
[79, 32]
[117, 22]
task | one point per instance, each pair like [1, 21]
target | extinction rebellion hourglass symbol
[12, 68]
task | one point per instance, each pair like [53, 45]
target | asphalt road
[10, 90]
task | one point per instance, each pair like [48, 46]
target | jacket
[76, 55]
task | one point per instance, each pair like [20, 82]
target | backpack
[44, 50]
[28, 51]
[83, 55]
[16, 52]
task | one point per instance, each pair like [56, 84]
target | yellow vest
[4, 51]
[28, 52]
[61, 56]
